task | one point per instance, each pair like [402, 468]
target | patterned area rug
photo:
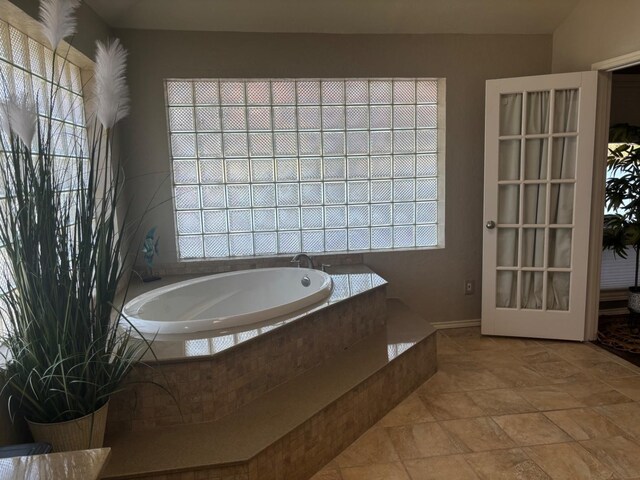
[620, 334]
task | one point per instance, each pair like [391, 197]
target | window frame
[196, 159]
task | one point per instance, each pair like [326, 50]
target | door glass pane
[535, 159]
[565, 116]
[507, 247]
[558, 285]
[508, 204]
[532, 288]
[511, 114]
[506, 289]
[560, 247]
[535, 202]
[537, 112]
[532, 247]
[561, 204]
[509, 160]
[563, 158]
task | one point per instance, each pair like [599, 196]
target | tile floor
[502, 408]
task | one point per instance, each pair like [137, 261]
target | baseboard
[614, 295]
[456, 324]
[614, 311]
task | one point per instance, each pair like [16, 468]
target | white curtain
[508, 199]
[534, 196]
[564, 166]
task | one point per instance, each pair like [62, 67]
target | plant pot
[79, 434]
[634, 300]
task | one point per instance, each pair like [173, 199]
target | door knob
[491, 224]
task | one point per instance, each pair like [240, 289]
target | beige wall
[596, 30]
[10, 432]
[625, 99]
[431, 281]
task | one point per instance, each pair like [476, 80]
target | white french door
[539, 148]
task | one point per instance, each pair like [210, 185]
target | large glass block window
[266, 167]
[27, 68]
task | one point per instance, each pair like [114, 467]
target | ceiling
[338, 16]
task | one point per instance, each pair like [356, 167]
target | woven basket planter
[79, 434]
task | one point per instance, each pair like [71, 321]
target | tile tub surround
[291, 431]
[348, 282]
[212, 377]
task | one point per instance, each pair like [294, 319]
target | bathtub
[227, 300]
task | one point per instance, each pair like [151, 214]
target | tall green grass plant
[66, 351]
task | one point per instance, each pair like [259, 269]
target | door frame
[601, 141]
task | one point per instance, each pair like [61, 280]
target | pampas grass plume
[57, 19]
[18, 116]
[111, 102]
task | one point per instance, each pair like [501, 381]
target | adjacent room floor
[620, 334]
[502, 408]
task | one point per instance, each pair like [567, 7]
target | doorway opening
[618, 329]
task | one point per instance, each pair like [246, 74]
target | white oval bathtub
[226, 300]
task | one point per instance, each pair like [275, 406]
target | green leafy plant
[68, 348]
[622, 195]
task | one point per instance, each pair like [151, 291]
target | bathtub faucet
[299, 257]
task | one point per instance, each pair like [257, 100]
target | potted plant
[622, 199]
[66, 350]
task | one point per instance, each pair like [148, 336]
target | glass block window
[267, 167]
[26, 68]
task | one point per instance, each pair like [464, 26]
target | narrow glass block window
[279, 166]
[26, 69]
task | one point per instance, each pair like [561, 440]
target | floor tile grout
[575, 373]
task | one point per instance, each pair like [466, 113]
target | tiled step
[294, 429]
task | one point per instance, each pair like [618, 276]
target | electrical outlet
[469, 287]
